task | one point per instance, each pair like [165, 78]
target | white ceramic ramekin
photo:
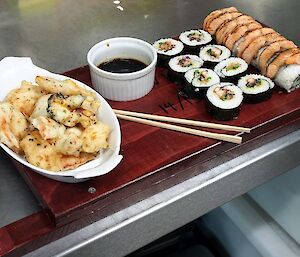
[122, 86]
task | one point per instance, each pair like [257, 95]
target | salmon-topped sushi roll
[224, 25]
[248, 38]
[270, 51]
[239, 32]
[280, 61]
[217, 22]
[215, 14]
[295, 59]
[252, 49]
[288, 76]
[229, 26]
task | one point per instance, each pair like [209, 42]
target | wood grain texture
[38, 229]
[143, 172]
[147, 149]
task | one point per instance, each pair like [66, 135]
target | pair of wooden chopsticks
[148, 119]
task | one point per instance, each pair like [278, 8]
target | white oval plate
[15, 69]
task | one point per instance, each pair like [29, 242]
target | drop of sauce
[122, 65]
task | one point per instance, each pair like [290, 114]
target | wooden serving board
[147, 149]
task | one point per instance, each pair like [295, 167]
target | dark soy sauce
[122, 65]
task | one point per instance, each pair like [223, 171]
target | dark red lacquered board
[278, 117]
[146, 149]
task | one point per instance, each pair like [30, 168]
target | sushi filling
[165, 46]
[231, 67]
[201, 77]
[223, 93]
[223, 101]
[256, 88]
[195, 37]
[214, 53]
[255, 84]
[185, 61]
[168, 46]
[197, 81]
[181, 64]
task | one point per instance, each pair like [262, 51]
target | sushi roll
[256, 88]
[166, 49]
[223, 101]
[288, 77]
[231, 69]
[194, 39]
[213, 54]
[198, 80]
[179, 65]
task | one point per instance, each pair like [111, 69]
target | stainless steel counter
[57, 35]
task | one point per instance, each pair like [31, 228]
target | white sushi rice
[255, 62]
[235, 46]
[288, 77]
[225, 104]
[193, 79]
[265, 85]
[222, 68]
[205, 37]
[204, 53]
[178, 46]
[174, 63]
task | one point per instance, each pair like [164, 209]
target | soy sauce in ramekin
[122, 65]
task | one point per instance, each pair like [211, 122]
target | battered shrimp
[95, 138]
[25, 97]
[40, 108]
[70, 143]
[43, 154]
[48, 128]
[66, 87]
[13, 126]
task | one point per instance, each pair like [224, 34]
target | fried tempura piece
[48, 128]
[95, 137]
[59, 111]
[66, 87]
[42, 154]
[74, 101]
[70, 142]
[13, 126]
[25, 97]
[62, 110]
[90, 104]
[40, 108]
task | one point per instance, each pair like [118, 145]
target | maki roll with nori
[194, 39]
[166, 49]
[223, 101]
[179, 65]
[256, 88]
[198, 80]
[213, 54]
[231, 69]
